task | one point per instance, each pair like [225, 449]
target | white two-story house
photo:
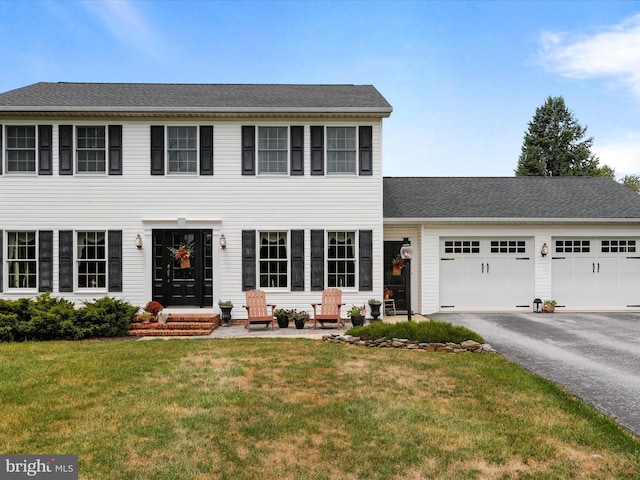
[277, 187]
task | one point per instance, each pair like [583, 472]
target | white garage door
[486, 274]
[596, 273]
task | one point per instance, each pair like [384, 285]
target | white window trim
[259, 259]
[288, 148]
[76, 170]
[356, 259]
[76, 261]
[326, 149]
[17, 290]
[3, 154]
[166, 151]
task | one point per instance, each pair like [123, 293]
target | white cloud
[623, 154]
[121, 18]
[612, 52]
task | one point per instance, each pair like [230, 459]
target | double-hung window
[91, 259]
[341, 259]
[21, 148]
[272, 150]
[273, 260]
[341, 149]
[90, 149]
[21, 259]
[182, 149]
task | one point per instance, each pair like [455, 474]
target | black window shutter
[115, 149]
[366, 157]
[248, 150]
[297, 150]
[114, 239]
[65, 149]
[366, 260]
[45, 261]
[206, 150]
[317, 260]
[297, 260]
[157, 150]
[65, 260]
[44, 150]
[1, 128]
[317, 150]
[1, 259]
[248, 260]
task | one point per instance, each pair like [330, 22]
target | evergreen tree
[554, 145]
[632, 182]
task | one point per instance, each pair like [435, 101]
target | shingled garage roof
[241, 98]
[504, 198]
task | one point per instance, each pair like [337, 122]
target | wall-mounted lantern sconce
[223, 241]
[544, 251]
[537, 303]
[138, 241]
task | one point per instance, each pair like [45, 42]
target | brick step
[192, 317]
[169, 333]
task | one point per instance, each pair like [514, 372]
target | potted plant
[357, 315]
[549, 306]
[300, 318]
[282, 316]
[375, 304]
[152, 309]
[388, 293]
[225, 309]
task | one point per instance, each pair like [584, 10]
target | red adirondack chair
[329, 308]
[257, 311]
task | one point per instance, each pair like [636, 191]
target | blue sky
[464, 78]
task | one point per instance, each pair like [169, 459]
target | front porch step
[178, 324]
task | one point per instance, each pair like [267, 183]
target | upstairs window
[21, 259]
[272, 150]
[341, 149]
[182, 149]
[21, 148]
[90, 149]
[91, 259]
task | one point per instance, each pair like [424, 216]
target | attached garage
[486, 274]
[496, 244]
[596, 273]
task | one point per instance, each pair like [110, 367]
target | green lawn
[297, 409]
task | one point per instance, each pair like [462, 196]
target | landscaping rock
[403, 343]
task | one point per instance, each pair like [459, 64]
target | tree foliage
[554, 145]
[632, 182]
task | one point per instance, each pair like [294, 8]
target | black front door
[182, 268]
[394, 273]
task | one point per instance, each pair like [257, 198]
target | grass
[298, 409]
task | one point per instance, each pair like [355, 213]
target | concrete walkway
[258, 331]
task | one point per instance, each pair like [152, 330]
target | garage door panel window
[618, 246]
[462, 246]
[573, 246]
[508, 246]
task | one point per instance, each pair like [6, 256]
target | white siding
[226, 202]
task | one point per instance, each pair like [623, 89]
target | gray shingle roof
[508, 198]
[194, 97]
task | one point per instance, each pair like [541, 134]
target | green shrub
[8, 322]
[430, 331]
[105, 317]
[45, 318]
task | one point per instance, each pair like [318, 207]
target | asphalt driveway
[596, 356]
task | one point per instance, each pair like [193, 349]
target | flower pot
[375, 310]
[300, 322]
[283, 321]
[357, 320]
[225, 315]
[185, 262]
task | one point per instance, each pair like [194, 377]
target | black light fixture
[406, 252]
[544, 251]
[537, 302]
